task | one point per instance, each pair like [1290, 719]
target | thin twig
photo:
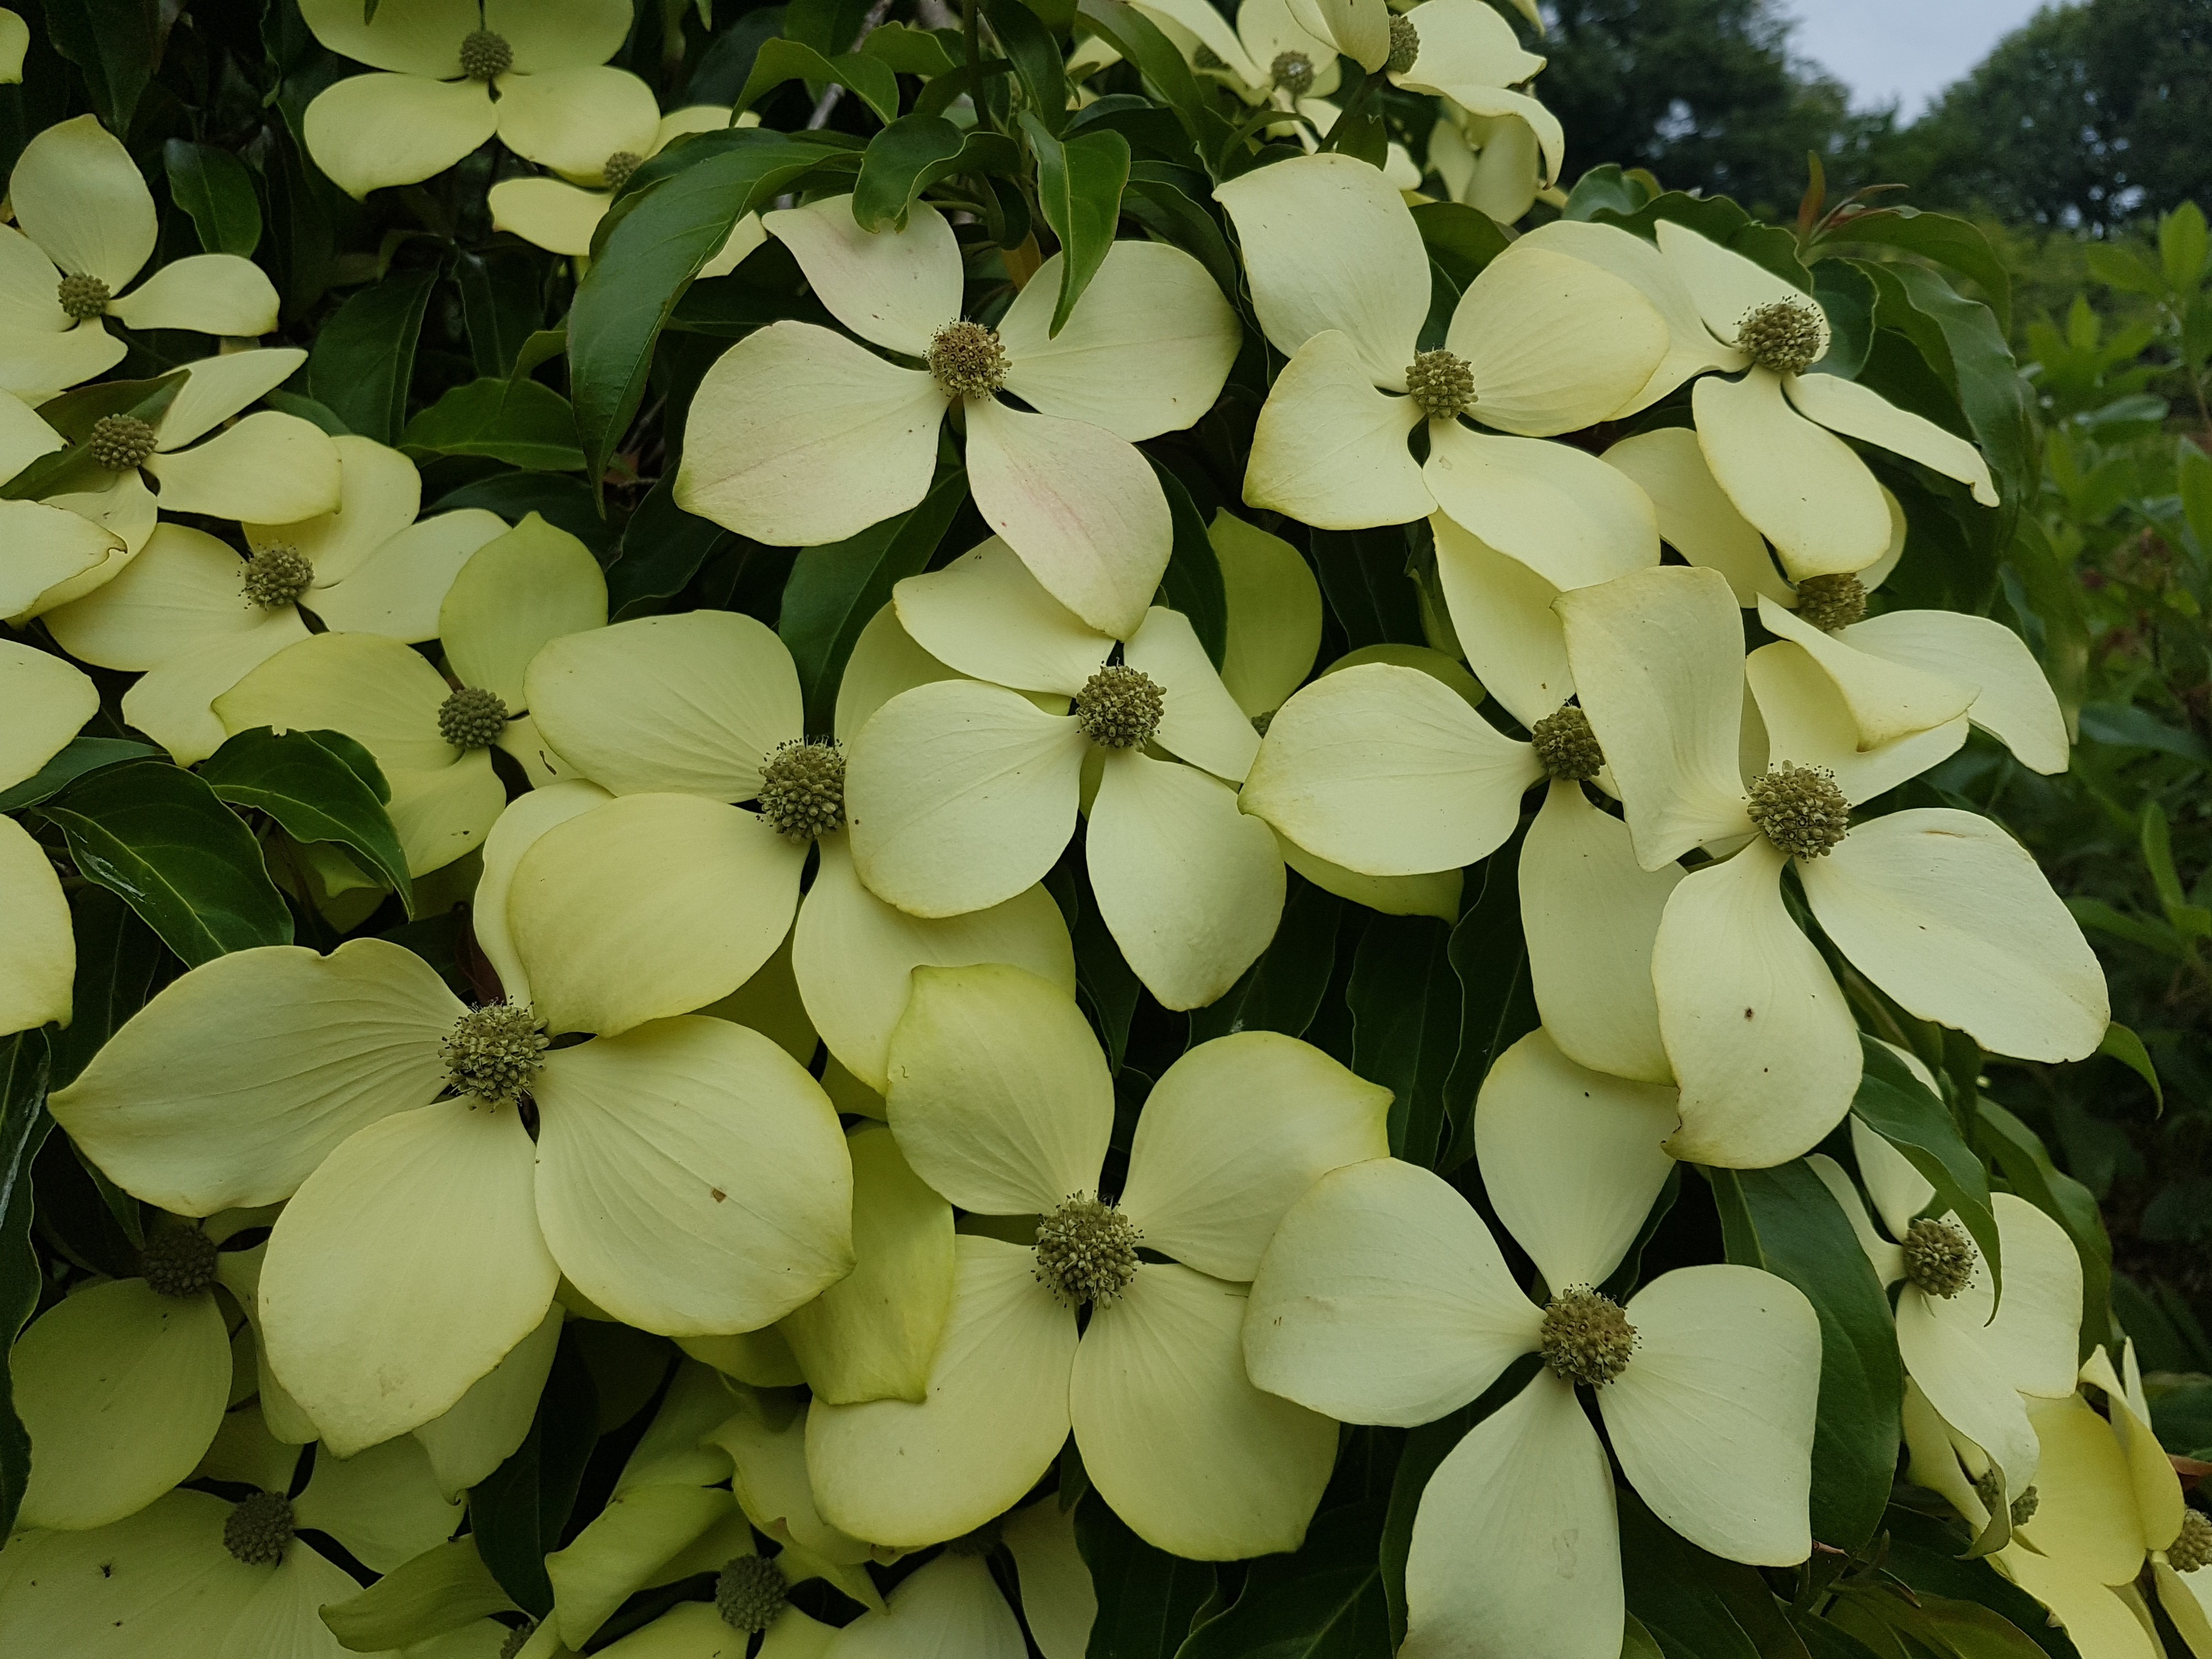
[832, 93]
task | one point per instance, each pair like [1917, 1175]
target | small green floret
[2193, 1548]
[1585, 1337]
[177, 1262]
[277, 576]
[802, 792]
[1800, 810]
[518, 1638]
[258, 1531]
[1829, 603]
[616, 169]
[967, 360]
[1939, 1257]
[750, 1591]
[119, 442]
[471, 717]
[1293, 72]
[485, 56]
[1565, 744]
[1119, 708]
[1784, 336]
[1441, 383]
[492, 1053]
[1405, 44]
[82, 296]
[1086, 1251]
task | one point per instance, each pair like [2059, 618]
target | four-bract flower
[560, 216]
[1540, 343]
[1771, 436]
[515, 593]
[688, 1176]
[85, 227]
[964, 792]
[1001, 1101]
[1972, 1351]
[680, 718]
[2177, 1537]
[48, 702]
[556, 105]
[1384, 1299]
[800, 435]
[1492, 163]
[1940, 908]
[196, 618]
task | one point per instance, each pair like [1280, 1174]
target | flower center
[493, 1051]
[2193, 1548]
[1119, 708]
[1293, 72]
[618, 167]
[1939, 1257]
[472, 719]
[1800, 810]
[485, 56]
[177, 1262]
[1405, 44]
[518, 1638]
[1831, 602]
[1442, 384]
[259, 1530]
[749, 1592]
[1585, 1337]
[1086, 1251]
[1567, 745]
[1784, 336]
[968, 360]
[275, 576]
[802, 791]
[82, 297]
[119, 442]
[2021, 1510]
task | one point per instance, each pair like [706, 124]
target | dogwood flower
[1940, 908]
[1540, 343]
[800, 435]
[444, 61]
[1384, 1299]
[1974, 1354]
[1465, 53]
[2177, 1538]
[265, 467]
[560, 216]
[1001, 1100]
[1267, 57]
[195, 618]
[688, 1176]
[48, 702]
[84, 229]
[192, 1572]
[518, 590]
[964, 791]
[675, 718]
[1771, 436]
[1493, 163]
[2075, 1543]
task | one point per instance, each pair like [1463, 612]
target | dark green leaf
[662, 549]
[364, 357]
[1460, 239]
[1035, 56]
[1785, 1221]
[2028, 1171]
[1146, 1597]
[115, 45]
[783, 60]
[903, 160]
[1281, 991]
[1955, 244]
[79, 755]
[910, 51]
[563, 502]
[1695, 1603]
[646, 252]
[1325, 1602]
[522, 422]
[305, 782]
[1193, 582]
[213, 187]
[1846, 297]
[23, 1128]
[1157, 199]
[1107, 980]
[834, 592]
[502, 303]
[520, 1511]
[2124, 1045]
[1137, 39]
[1924, 1554]
[1405, 1003]
[1897, 1106]
[120, 963]
[73, 415]
[1363, 573]
[1498, 1005]
[158, 836]
[1606, 189]
[1079, 189]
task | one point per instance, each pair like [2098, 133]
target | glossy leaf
[1325, 1602]
[120, 965]
[783, 60]
[1146, 1597]
[521, 422]
[520, 1511]
[914, 153]
[363, 357]
[183, 860]
[1193, 582]
[2019, 1151]
[1405, 1003]
[1282, 990]
[79, 756]
[1079, 187]
[23, 1128]
[1955, 244]
[320, 786]
[115, 45]
[1029, 45]
[213, 187]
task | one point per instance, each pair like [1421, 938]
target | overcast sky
[1908, 50]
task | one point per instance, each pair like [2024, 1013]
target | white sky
[1909, 50]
